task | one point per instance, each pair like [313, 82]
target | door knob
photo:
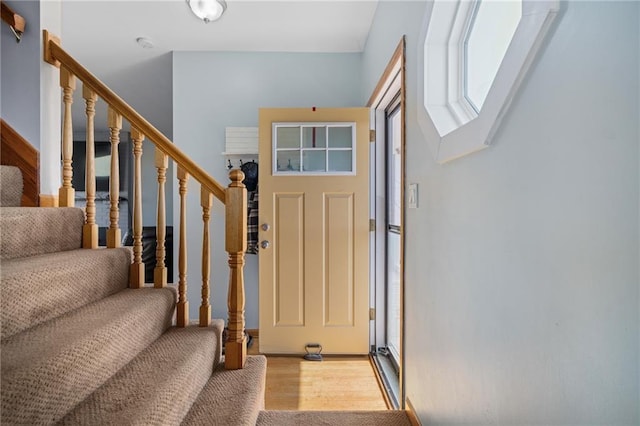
[265, 226]
[264, 244]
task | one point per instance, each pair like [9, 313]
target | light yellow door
[314, 275]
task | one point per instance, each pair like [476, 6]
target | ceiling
[102, 36]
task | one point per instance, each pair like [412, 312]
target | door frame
[389, 85]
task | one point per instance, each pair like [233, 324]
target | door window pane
[340, 161]
[314, 137]
[288, 161]
[340, 137]
[314, 161]
[394, 168]
[288, 137]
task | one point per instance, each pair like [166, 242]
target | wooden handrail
[56, 55]
[15, 21]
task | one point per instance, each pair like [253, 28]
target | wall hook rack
[230, 164]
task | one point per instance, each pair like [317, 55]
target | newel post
[236, 245]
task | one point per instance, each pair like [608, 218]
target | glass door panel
[314, 161]
[393, 232]
[288, 161]
[393, 294]
[340, 161]
[288, 137]
[340, 137]
[314, 137]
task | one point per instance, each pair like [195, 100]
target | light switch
[412, 196]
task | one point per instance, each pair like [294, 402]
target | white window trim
[442, 108]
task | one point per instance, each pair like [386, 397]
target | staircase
[80, 347]
[84, 339]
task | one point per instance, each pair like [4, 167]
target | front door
[313, 221]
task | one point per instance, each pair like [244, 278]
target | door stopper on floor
[313, 352]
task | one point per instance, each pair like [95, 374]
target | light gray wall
[212, 91]
[20, 104]
[522, 260]
[30, 100]
[50, 104]
[147, 88]
[150, 187]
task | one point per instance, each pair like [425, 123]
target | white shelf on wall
[241, 144]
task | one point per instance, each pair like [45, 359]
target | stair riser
[39, 288]
[31, 231]
[10, 186]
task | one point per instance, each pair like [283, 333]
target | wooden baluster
[136, 274]
[206, 201]
[160, 271]
[114, 121]
[183, 305]
[66, 193]
[90, 228]
[236, 245]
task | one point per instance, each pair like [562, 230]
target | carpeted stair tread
[331, 418]
[38, 288]
[50, 368]
[159, 385]
[231, 397]
[10, 186]
[28, 231]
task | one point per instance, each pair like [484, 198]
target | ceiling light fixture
[207, 10]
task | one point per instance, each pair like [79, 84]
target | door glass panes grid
[314, 148]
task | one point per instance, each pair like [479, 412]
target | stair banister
[90, 229]
[137, 267]
[55, 54]
[234, 197]
[183, 303]
[206, 201]
[67, 194]
[160, 271]
[114, 234]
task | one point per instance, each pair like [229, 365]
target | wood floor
[336, 383]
